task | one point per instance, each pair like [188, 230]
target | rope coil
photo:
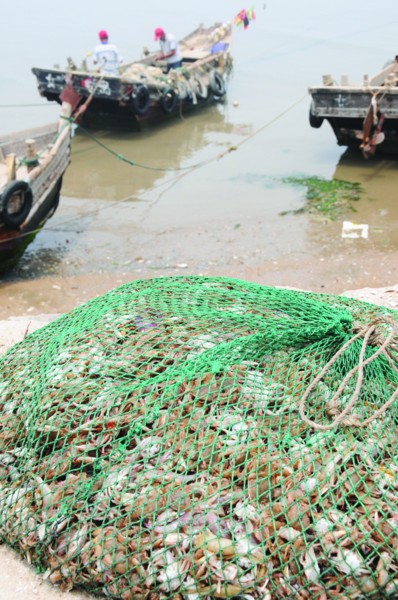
[371, 337]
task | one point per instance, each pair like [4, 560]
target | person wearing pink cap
[169, 47]
[106, 55]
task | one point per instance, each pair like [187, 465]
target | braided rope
[371, 336]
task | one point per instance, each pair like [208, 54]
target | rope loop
[374, 335]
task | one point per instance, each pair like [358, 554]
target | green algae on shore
[330, 198]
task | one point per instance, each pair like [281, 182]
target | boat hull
[113, 113]
[30, 196]
[346, 111]
[14, 243]
[361, 116]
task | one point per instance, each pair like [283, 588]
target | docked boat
[363, 115]
[143, 92]
[32, 164]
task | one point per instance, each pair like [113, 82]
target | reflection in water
[112, 212]
[378, 207]
[97, 172]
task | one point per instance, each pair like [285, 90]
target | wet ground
[206, 213]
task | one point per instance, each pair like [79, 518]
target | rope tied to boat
[372, 126]
[375, 116]
[82, 109]
[373, 334]
[374, 106]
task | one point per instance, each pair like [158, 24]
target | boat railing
[38, 150]
[388, 77]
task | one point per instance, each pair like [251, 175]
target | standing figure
[169, 47]
[106, 55]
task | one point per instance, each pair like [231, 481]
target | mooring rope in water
[231, 148]
[23, 105]
[182, 171]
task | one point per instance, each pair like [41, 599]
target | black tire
[140, 99]
[13, 212]
[200, 87]
[315, 121]
[168, 100]
[217, 84]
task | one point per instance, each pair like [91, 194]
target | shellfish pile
[153, 445]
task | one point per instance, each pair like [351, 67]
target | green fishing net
[197, 438]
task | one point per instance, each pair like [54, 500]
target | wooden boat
[361, 115]
[143, 92]
[32, 164]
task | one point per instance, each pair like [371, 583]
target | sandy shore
[18, 581]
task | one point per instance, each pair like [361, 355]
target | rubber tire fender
[15, 219]
[140, 99]
[315, 121]
[168, 100]
[217, 84]
[200, 88]
[182, 90]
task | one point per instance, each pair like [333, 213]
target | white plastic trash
[354, 230]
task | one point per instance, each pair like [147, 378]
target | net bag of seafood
[197, 438]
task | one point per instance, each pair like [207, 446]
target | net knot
[377, 330]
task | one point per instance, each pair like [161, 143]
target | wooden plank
[11, 164]
[194, 54]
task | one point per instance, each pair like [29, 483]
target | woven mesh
[197, 438]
